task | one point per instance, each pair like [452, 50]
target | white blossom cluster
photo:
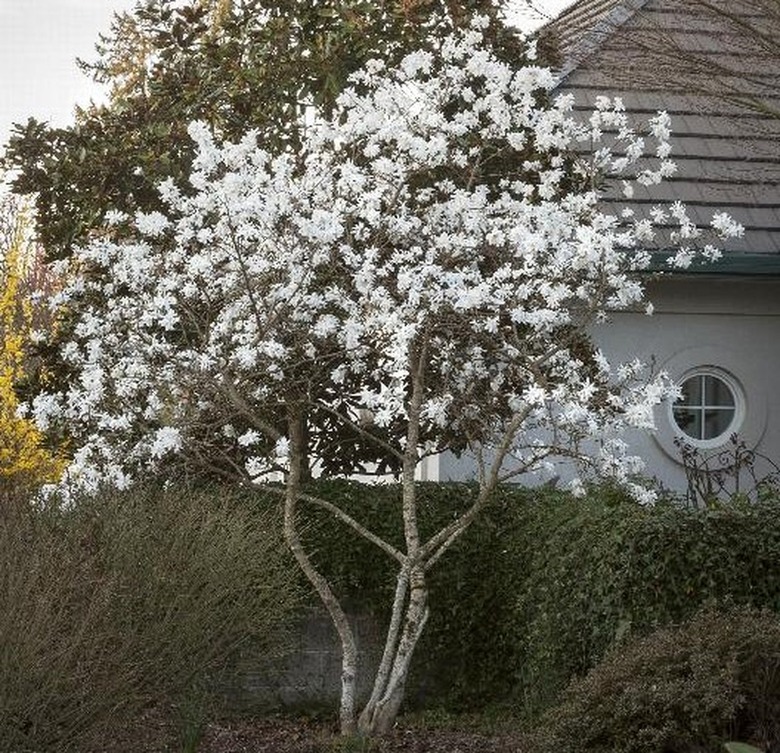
[439, 231]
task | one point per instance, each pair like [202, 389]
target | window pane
[717, 392]
[691, 392]
[717, 422]
[689, 421]
[707, 408]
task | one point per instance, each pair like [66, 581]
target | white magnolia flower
[151, 224]
[165, 440]
[248, 438]
[379, 259]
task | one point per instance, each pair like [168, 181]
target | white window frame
[739, 408]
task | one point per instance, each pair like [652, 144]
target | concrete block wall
[309, 674]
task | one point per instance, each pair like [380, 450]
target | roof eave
[728, 265]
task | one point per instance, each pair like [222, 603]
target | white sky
[40, 41]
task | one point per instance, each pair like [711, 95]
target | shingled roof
[582, 27]
[721, 88]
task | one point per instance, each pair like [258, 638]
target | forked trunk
[409, 613]
[381, 711]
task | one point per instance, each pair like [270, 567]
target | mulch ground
[292, 735]
[287, 736]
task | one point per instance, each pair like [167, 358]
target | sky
[40, 41]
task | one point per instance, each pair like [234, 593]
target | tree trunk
[306, 476]
[409, 616]
[379, 715]
[338, 616]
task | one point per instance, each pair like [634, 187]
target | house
[716, 327]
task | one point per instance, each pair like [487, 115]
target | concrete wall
[309, 674]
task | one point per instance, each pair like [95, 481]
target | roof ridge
[593, 21]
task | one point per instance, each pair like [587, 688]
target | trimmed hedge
[467, 653]
[604, 568]
[543, 585]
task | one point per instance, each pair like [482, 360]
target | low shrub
[61, 675]
[128, 600]
[681, 689]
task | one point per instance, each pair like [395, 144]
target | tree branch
[348, 520]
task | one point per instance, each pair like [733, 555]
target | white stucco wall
[732, 325]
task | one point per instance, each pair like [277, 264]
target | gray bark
[338, 616]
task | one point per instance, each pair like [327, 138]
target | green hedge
[464, 658]
[605, 568]
[543, 584]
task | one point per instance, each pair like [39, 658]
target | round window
[709, 408]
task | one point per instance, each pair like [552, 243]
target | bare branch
[394, 451]
[348, 520]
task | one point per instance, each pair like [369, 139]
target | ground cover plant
[276, 733]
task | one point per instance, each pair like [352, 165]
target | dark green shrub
[469, 656]
[542, 585]
[127, 600]
[604, 568]
[685, 688]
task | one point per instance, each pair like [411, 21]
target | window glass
[716, 422]
[689, 421]
[717, 392]
[691, 392]
[707, 408]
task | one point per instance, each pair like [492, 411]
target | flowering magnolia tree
[423, 274]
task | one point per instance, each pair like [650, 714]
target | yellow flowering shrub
[23, 458]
